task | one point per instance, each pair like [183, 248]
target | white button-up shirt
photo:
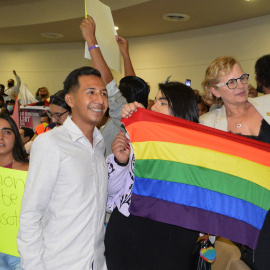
[63, 207]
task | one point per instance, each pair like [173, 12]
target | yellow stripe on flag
[206, 158]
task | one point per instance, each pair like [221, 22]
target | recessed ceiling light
[175, 17]
[51, 35]
[116, 27]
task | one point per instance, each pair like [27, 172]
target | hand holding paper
[88, 28]
[105, 33]
[123, 44]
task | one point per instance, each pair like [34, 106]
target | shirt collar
[73, 129]
[77, 134]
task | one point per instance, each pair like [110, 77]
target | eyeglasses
[56, 116]
[232, 83]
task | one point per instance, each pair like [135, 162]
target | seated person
[26, 136]
[202, 107]
[10, 106]
[42, 96]
[2, 91]
[2, 102]
[44, 120]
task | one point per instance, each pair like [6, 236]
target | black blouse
[264, 134]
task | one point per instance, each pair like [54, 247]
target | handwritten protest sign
[12, 184]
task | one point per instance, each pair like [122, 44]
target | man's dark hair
[28, 132]
[133, 89]
[181, 100]
[262, 70]
[2, 86]
[17, 150]
[72, 80]
[59, 100]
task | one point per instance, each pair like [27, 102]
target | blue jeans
[8, 262]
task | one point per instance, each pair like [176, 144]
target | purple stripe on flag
[195, 219]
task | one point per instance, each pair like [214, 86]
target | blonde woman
[226, 84]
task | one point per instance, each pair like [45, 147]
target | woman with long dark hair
[133, 242]
[11, 156]
[11, 150]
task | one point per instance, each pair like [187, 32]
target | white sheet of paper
[105, 34]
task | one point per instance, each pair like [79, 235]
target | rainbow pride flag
[198, 177]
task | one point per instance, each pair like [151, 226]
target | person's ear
[214, 91]
[69, 98]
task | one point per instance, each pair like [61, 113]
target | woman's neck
[5, 160]
[236, 110]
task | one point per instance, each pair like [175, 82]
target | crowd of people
[77, 171]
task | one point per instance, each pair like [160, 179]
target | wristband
[121, 164]
[93, 47]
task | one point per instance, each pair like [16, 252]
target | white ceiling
[22, 21]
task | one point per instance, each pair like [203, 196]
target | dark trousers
[135, 243]
[259, 259]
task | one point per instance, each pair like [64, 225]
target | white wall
[42, 64]
[184, 55]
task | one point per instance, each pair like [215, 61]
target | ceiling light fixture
[51, 35]
[175, 17]
[116, 28]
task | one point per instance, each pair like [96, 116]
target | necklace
[239, 125]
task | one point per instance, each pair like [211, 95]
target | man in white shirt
[12, 90]
[63, 208]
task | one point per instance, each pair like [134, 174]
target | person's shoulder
[50, 137]
[112, 88]
[263, 98]
[209, 116]
[260, 101]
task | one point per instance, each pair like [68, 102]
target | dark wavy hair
[134, 88]
[262, 70]
[17, 151]
[181, 100]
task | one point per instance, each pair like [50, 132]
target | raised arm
[88, 28]
[18, 84]
[123, 46]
